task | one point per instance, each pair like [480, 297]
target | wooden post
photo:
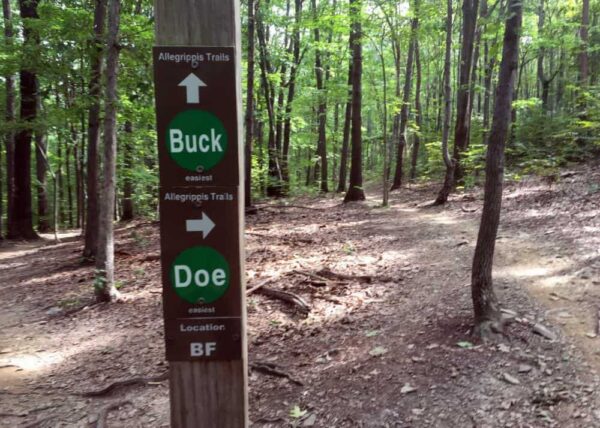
[209, 393]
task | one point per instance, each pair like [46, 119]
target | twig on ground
[301, 207]
[124, 383]
[329, 274]
[273, 370]
[598, 322]
[286, 296]
[468, 210]
[103, 415]
[258, 286]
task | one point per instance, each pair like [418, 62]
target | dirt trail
[385, 351]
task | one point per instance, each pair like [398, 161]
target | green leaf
[378, 351]
[465, 345]
[297, 413]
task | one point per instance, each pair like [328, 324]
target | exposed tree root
[273, 370]
[125, 383]
[489, 331]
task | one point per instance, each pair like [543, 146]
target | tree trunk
[585, 40]
[105, 281]
[418, 116]
[275, 179]
[127, 213]
[287, 125]
[485, 303]
[95, 91]
[322, 107]
[22, 226]
[69, 185]
[249, 117]
[9, 137]
[41, 170]
[346, 133]
[449, 162]
[355, 189]
[464, 95]
[405, 100]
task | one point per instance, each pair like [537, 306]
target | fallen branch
[124, 383]
[301, 207]
[286, 296]
[273, 370]
[598, 322]
[468, 210]
[259, 286]
[103, 415]
[314, 276]
[329, 274]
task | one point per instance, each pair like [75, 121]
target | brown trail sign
[198, 105]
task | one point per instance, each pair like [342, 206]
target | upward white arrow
[192, 85]
[205, 225]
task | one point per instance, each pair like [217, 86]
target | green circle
[196, 140]
[200, 275]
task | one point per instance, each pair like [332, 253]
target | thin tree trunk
[9, 137]
[418, 116]
[127, 213]
[275, 179]
[346, 133]
[322, 107]
[41, 169]
[448, 161]
[95, 91]
[585, 40]
[287, 125]
[249, 117]
[104, 286]
[485, 303]
[69, 185]
[355, 188]
[405, 100]
[464, 94]
[22, 203]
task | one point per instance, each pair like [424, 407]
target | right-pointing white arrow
[192, 85]
[204, 225]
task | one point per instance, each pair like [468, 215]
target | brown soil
[392, 351]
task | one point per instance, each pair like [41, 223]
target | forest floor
[386, 345]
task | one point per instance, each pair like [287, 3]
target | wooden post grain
[210, 394]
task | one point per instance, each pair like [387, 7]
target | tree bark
[585, 40]
[418, 116]
[485, 302]
[41, 170]
[287, 125]
[127, 213]
[346, 132]
[449, 162]
[355, 189]
[9, 137]
[275, 179]
[464, 95]
[249, 116]
[322, 105]
[104, 286]
[95, 91]
[405, 100]
[22, 226]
